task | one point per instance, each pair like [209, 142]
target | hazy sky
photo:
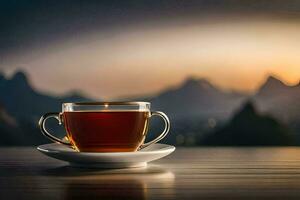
[116, 49]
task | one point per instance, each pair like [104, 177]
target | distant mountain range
[21, 101]
[250, 128]
[200, 98]
[278, 99]
[22, 106]
[197, 98]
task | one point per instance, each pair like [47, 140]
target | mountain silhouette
[22, 101]
[197, 98]
[190, 106]
[278, 99]
[21, 107]
[249, 128]
[194, 104]
[274, 86]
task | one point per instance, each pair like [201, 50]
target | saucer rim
[167, 148]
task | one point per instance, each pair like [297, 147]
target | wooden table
[189, 173]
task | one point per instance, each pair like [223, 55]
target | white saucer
[106, 160]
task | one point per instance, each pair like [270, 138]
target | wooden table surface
[189, 173]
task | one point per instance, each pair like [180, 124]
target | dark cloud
[26, 24]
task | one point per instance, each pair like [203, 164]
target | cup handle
[42, 125]
[165, 131]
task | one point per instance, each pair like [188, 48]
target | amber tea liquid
[106, 131]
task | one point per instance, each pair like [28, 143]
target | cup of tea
[105, 126]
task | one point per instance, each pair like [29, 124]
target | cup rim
[104, 103]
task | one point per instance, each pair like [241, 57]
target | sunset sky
[116, 49]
